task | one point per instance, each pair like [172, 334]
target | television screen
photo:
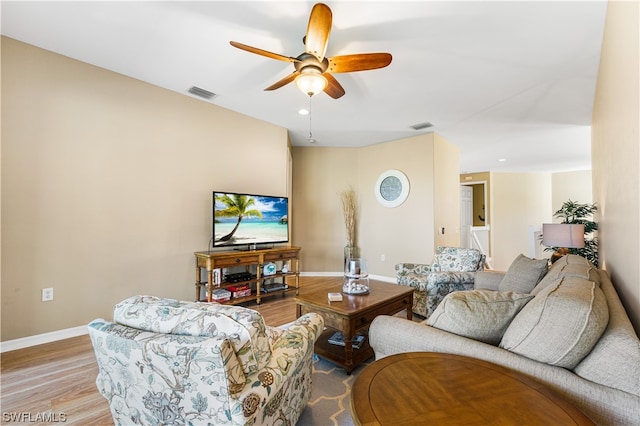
[249, 219]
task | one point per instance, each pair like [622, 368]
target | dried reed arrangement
[349, 210]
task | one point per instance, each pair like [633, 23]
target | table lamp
[564, 236]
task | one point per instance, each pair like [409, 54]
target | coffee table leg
[348, 353]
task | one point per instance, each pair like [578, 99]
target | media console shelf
[253, 263]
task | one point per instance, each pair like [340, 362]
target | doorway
[474, 216]
[466, 215]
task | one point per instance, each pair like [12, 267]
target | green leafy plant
[576, 213]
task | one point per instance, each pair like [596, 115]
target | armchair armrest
[415, 268]
[488, 280]
[309, 325]
[412, 273]
[438, 278]
[292, 353]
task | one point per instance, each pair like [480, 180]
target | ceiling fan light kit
[311, 81]
[313, 70]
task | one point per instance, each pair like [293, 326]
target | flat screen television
[249, 219]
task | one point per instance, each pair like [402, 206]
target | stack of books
[338, 339]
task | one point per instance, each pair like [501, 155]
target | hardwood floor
[56, 378]
[59, 377]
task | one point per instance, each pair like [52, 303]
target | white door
[466, 215]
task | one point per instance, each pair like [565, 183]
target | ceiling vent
[421, 126]
[194, 90]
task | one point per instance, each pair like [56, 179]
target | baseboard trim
[383, 279]
[40, 339]
[340, 274]
[320, 274]
[53, 336]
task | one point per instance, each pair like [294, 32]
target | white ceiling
[508, 79]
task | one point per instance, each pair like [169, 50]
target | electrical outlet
[382, 257]
[47, 294]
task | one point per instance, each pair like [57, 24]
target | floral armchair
[164, 361]
[452, 269]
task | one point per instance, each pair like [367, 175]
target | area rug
[330, 392]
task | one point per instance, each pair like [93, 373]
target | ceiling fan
[313, 71]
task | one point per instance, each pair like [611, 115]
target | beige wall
[615, 153]
[575, 186]
[518, 201]
[319, 175]
[402, 234]
[106, 186]
[446, 167]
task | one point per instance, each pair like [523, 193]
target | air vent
[421, 126]
[194, 90]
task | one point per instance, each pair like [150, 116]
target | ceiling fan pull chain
[310, 138]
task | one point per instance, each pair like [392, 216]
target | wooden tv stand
[251, 262]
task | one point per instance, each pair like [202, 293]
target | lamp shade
[563, 235]
[311, 81]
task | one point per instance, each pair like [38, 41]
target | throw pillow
[487, 280]
[570, 265]
[523, 274]
[561, 324]
[478, 314]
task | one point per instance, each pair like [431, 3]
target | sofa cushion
[561, 324]
[523, 274]
[570, 265]
[244, 328]
[478, 314]
[614, 360]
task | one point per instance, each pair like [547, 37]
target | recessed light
[502, 160]
[303, 112]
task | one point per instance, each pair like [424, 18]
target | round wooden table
[443, 389]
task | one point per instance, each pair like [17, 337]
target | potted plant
[576, 213]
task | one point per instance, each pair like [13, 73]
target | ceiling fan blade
[263, 52]
[318, 31]
[333, 89]
[288, 79]
[359, 62]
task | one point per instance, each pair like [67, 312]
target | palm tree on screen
[236, 206]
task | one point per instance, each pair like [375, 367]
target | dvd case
[338, 339]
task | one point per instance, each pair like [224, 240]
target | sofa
[570, 332]
[164, 361]
[452, 269]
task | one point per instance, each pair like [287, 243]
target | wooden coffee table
[434, 388]
[354, 314]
